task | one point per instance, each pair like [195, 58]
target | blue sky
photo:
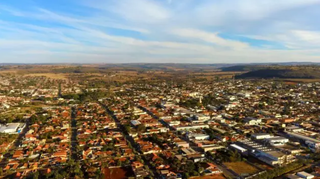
[156, 31]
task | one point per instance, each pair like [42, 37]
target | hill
[298, 73]
[243, 68]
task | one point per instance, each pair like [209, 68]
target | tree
[77, 168]
[57, 175]
[119, 163]
[36, 175]
[141, 128]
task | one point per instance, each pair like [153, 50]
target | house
[252, 121]
[62, 154]
[183, 144]
[136, 164]
[211, 169]
[139, 170]
[166, 174]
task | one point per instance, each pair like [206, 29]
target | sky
[159, 31]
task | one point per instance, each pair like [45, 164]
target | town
[148, 125]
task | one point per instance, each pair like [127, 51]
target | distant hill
[260, 66]
[297, 72]
[243, 68]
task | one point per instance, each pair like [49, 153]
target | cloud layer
[177, 31]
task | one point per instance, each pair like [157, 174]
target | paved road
[74, 141]
[128, 138]
[74, 133]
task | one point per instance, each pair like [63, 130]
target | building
[12, 128]
[259, 136]
[190, 127]
[272, 157]
[252, 121]
[194, 136]
[294, 129]
[293, 177]
[266, 154]
[277, 141]
[313, 144]
[200, 118]
[239, 149]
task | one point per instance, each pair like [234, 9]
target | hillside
[242, 68]
[260, 66]
[299, 73]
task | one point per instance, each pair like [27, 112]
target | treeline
[280, 170]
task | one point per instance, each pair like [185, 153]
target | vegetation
[278, 171]
[242, 68]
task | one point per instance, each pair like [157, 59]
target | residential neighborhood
[159, 129]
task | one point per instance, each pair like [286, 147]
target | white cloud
[214, 12]
[209, 37]
[170, 31]
[141, 11]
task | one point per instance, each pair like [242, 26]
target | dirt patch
[241, 167]
[118, 173]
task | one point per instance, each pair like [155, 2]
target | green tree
[36, 175]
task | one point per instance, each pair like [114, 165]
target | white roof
[261, 134]
[304, 174]
[238, 147]
[9, 127]
[277, 138]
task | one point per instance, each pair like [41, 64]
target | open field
[56, 76]
[7, 71]
[241, 167]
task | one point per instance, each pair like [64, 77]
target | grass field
[241, 167]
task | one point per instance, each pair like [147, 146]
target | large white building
[12, 128]
[259, 136]
[195, 136]
[277, 141]
[265, 153]
[312, 143]
[239, 149]
[305, 175]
